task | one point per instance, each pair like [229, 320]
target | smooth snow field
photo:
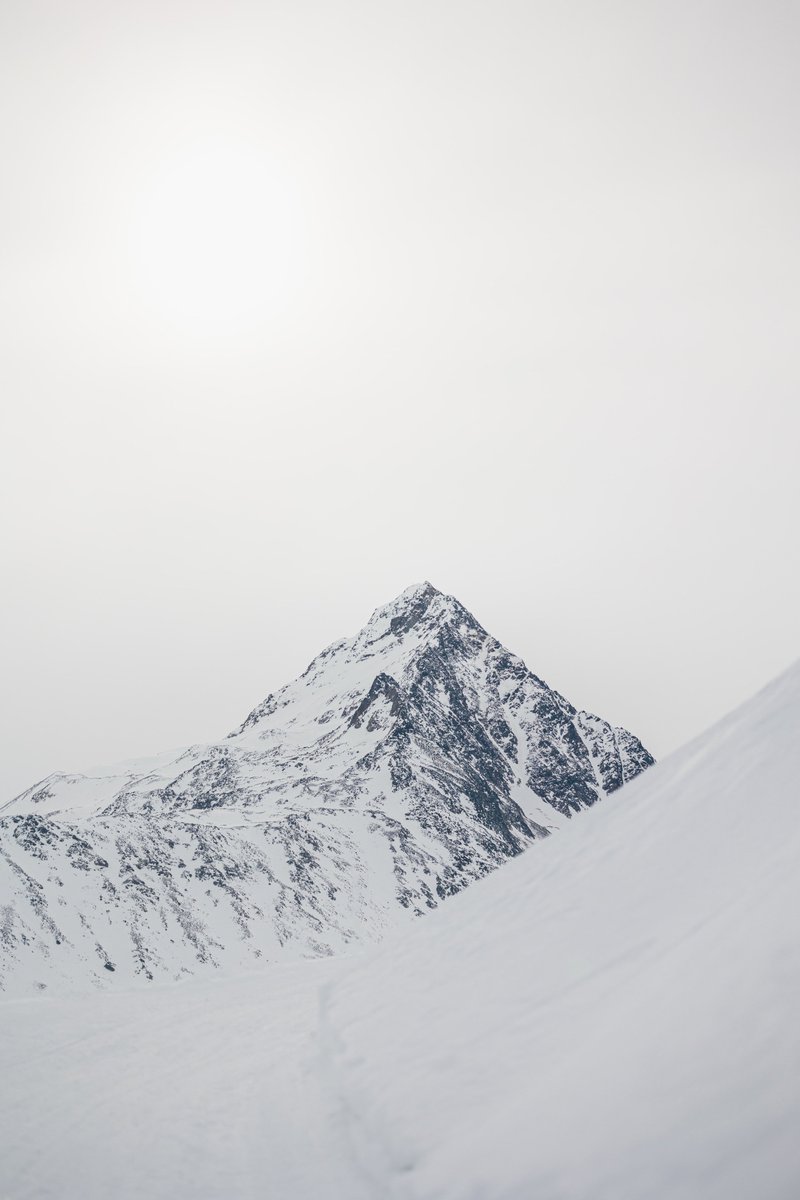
[611, 1016]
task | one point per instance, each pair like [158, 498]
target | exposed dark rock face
[402, 765]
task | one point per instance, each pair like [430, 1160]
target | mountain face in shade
[403, 764]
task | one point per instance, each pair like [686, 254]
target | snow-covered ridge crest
[403, 763]
[396, 632]
[612, 1017]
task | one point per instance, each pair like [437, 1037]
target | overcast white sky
[302, 303]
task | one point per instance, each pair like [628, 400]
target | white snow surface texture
[612, 1016]
[404, 763]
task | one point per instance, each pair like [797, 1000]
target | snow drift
[612, 1018]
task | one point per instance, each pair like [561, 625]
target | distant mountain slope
[612, 1018]
[403, 764]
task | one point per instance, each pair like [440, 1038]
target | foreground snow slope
[612, 1017]
[205, 1090]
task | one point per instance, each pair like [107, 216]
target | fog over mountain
[301, 301]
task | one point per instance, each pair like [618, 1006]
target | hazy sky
[302, 303]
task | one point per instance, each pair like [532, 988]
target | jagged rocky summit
[403, 764]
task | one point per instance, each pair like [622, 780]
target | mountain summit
[402, 764]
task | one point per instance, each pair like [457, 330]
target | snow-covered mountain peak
[401, 640]
[421, 603]
[403, 763]
[415, 594]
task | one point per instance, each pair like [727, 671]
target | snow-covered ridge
[404, 763]
[611, 1018]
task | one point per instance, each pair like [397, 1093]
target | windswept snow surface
[610, 1017]
[614, 1017]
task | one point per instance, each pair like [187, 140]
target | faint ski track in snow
[205, 1090]
[364, 1151]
